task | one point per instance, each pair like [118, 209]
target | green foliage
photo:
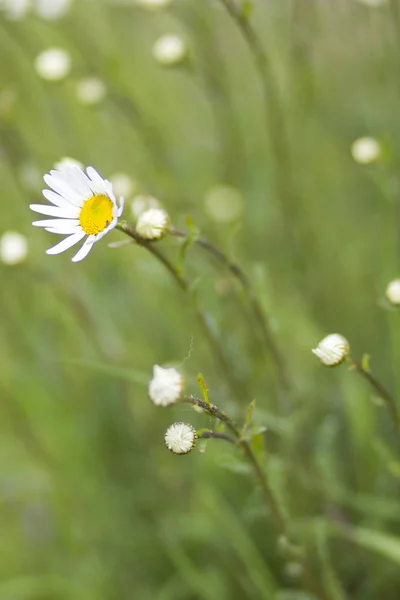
[92, 505]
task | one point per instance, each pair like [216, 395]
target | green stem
[275, 121]
[216, 435]
[263, 327]
[310, 580]
[202, 318]
[386, 396]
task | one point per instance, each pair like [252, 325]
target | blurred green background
[92, 506]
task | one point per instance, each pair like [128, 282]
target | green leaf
[255, 430]
[193, 234]
[381, 543]
[246, 9]
[118, 372]
[249, 417]
[365, 363]
[203, 387]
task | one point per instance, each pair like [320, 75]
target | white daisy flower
[393, 292]
[166, 386]
[13, 248]
[332, 350]
[152, 224]
[83, 204]
[169, 50]
[180, 438]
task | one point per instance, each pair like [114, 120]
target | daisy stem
[311, 581]
[387, 397]
[217, 435]
[202, 317]
[263, 327]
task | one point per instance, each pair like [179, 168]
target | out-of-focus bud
[393, 292]
[153, 224]
[166, 386]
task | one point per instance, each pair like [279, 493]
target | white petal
[68, 242]
[83, 252]
[121, 206]
[64, 230]
[55, 211]
[56, 222]
[57, 200]
[98, 184]
[57, 182]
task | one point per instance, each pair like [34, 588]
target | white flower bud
[90, 90]
[123, 185]
[332, 350]
[152, 224]
[67, 161]
[169, 50]
[366, 150]
[223, 203]
[53, 64]
[153, 4]
[141, 203]
[166, 386]
[52, 9]
[393, 292]
[374, 3]
[180, 438]
[13, 248]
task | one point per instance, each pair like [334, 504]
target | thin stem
[275, 121]
[202, 317]
[217, 435]
[258, 313]
[310, 579]
[386, 396]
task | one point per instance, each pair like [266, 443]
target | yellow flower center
[96, 214]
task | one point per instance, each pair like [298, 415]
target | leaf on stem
[203, 387]
[190, 239]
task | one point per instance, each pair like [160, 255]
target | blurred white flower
[153, 3]
[152, 224]
[15, 9]
[67, 161]
[30, 176]
[332, 350]
[169, 50]
[142, 203]
[393, 292]
[90, 90]
[52, 9]
[223, 203]
[166, 386]
[123, 185]
[374, 3]
[180, 438]
[366, 150]
[83, 204]
[13, 248]
[53, 64]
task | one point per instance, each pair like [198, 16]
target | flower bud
[180, 438]
[53, 64]
[366, 150]
[393, 292]
[166, 386]
[13, 248]
[169, 50]
[152, 224]
[332, 350]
